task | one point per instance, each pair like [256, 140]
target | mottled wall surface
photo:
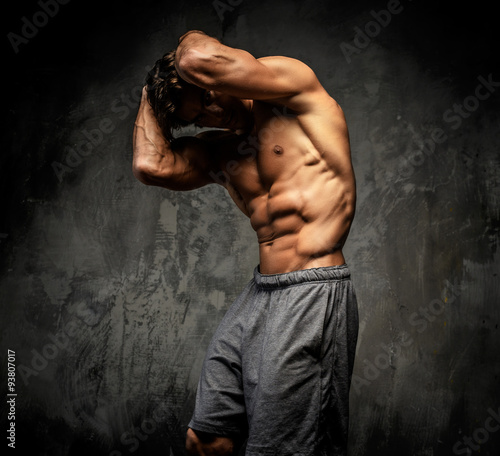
[111, 290]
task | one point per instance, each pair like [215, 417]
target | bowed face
[209, 108]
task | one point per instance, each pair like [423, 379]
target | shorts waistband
[303, 276]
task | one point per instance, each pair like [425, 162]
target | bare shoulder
[285, 63]
[308, 94]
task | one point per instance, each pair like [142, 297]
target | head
[165, 89]
[176, 103]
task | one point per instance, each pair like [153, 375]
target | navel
[278, 150]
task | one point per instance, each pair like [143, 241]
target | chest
[275, 151]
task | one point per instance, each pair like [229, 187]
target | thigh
[282, 370]
[220, 405]
[296, 370]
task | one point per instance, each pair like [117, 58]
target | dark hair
[165, 88]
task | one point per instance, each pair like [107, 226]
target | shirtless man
[278, 369]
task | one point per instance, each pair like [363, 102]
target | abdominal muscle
[302, 223]
[280, 256]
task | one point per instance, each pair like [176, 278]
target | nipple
[278, 150]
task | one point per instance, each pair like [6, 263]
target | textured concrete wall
[111, 290]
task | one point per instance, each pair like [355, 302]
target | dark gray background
[111, 290]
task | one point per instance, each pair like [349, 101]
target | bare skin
[281, 150]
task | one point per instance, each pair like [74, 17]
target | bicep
[212, 65]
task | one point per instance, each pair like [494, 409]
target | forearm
[152, 152]
[180, 164]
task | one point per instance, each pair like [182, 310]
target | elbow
[143, 172]
[140, 173]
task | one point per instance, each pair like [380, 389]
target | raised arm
[204, 61]
[183, 164]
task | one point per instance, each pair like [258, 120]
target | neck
[249, 125]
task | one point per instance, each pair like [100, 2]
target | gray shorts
[279, 366]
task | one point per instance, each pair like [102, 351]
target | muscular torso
[292, 176]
